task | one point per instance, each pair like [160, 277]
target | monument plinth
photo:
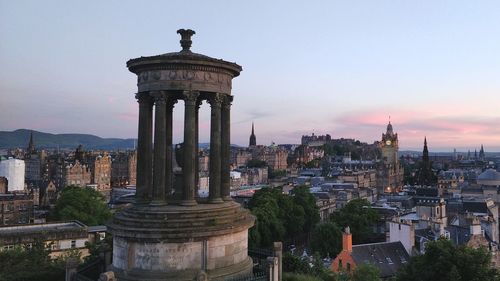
[169, 233]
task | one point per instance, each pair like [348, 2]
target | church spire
[31, 145]
[425, 174]
[481, 153]
[253, 139]
[425, 153]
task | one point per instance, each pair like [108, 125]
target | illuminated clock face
[388, 142]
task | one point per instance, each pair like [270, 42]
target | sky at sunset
[336, 67]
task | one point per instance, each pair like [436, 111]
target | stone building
[363, 178]
[249, 176]
[123, 169]
[77, 174]
[314, 140]
[203, 162]
[48, 194]
[16, 208]
[240, 157]
[34, 162]
[389, 171]
[60, 238]
[203, 238]
[305, 153]
[100, 169]
[56, 170]
[3, 185]
[275, 157]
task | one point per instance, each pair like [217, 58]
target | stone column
[197, 148]
[226, 148]
[272, 267]
[160, 148]
[278, 252]
[144, 148]
[190, 98]
[215, 149]
[169, 179]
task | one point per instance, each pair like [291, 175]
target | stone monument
[170, 233]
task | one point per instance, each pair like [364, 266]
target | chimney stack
[347, 240]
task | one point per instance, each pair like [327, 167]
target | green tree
[302, 197]
[366, 272]
[296, 264]
[358, 215]
[281, 216]
[443, 261]
[21, 264]
[327, 239]
[293, 216]
[83, 204]
[269, 226]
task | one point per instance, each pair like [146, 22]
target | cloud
[443, 129]
[253, 115]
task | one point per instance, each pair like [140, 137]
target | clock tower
[389, 171]
[389, 146]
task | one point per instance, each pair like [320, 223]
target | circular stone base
[170, 242]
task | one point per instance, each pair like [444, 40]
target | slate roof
[389, 257]
[459, 235]
[475, 207]
[427, 191]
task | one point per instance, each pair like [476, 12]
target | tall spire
[425, 174]
[425, 153]
[390, 131]
[253, 139]
[481, 153]
[31, 145]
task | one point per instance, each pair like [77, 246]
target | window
[340, 263]
[348, 267]
[73, 244]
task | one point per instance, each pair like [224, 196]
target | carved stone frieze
[171, 79]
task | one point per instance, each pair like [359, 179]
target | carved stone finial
[186, 38]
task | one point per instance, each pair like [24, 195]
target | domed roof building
[489, 177]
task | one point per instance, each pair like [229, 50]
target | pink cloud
[445, 131]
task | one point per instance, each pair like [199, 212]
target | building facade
[13, 170]
[389, 171]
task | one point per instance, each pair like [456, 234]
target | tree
[366, 272]
[302, 197]
[83, 204]
[20, 264]
[269, 226]
[281, 216]
[296, 264]
[358, 215]
[326, 239]
[443, 261]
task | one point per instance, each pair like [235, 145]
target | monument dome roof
[489, 177]
[489, 174]
[185, 56]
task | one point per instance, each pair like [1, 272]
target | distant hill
[20, 138]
